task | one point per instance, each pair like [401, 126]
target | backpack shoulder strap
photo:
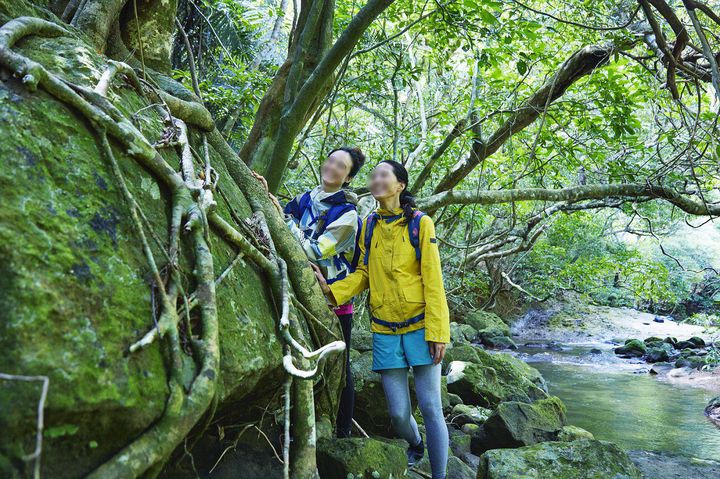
[369, 227]
[414, 231]
[332, 214]
[356, 253]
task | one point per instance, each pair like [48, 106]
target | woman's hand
[272, 197]
[321, 279]
[437, 351]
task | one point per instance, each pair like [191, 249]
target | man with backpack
[326, 223]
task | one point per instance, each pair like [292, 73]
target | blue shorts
[400, 350]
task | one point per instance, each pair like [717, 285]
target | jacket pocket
[414, 293]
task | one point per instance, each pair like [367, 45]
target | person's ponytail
[407, 202]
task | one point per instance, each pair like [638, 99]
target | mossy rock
[485, 320]
[463, 414]
[694, 362]
[582, 459]
[462, 333]
[573, 433]
[476, 354]
[652, 339]
[662, 352]
[516, 424]
[74, 280]
[485, 379]
[633, 348]
[360, 458]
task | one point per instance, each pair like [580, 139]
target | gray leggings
[427, 389]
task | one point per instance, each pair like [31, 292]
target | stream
[617, 400]
[621, 402]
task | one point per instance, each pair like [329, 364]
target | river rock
[687, 344]
[516, 424]
[652, 339]
[582, 459]
[486, 321]
[463, 414]
[670, 340]
[697, 341]
[357, 458]
[633, 348]
[498, 361]
[694, 362]
[573, 433]
[712, 410]
[497, 341]
[661, 367]
[662, 352]
[462, 333]
[490, 383]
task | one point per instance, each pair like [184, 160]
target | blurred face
[383, 182]
[336, 168]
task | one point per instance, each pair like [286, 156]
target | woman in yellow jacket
[408, 308]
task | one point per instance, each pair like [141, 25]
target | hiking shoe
[415, 453]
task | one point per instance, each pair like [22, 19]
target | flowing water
[617, 400]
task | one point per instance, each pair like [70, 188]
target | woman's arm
[338, 237]
[437, 314]
[342, 291]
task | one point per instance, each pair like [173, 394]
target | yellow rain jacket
[401, 287]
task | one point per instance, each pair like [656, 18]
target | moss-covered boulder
[573, 433]
[516, 424]
[75, 288]
[498, 361]
[633, 348]
[360, 458]
[491, 330]
[582, 459]
[485, 379]
[487, 321]
[660, 352]
[462, 333]
[462, 414]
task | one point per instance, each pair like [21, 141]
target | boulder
[573, 433]
[462, 333]
[697, 341]
[485, 385]
[357, 458]
[496, 341]
[652, 339]
[670, 340]
[712, 410]
[694, 362]
[582, 459]
[361, 340]
[75, 286]
[499, 361]
[486, 321]
[633, 348]
[516, 424]
[661, 352]
[463, 414]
